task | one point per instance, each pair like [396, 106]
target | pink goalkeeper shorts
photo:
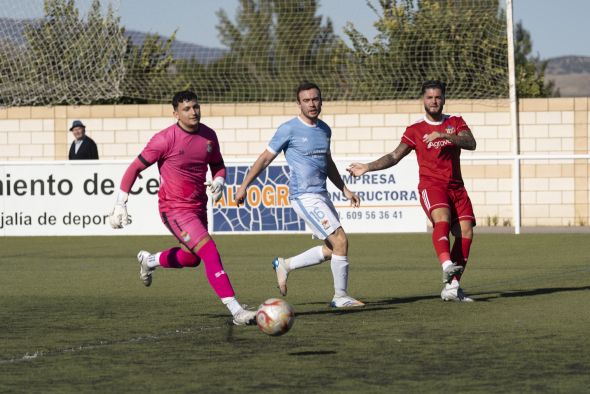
[189, 227]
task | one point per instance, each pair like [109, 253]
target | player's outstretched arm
[389, 160]
[351, 196]
[259, 165]
[218, 172]
[334, 174]
[118, 217]
[464, 139]
[334, 177]
[215, 187]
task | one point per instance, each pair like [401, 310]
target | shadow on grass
[370, 306]
[483, 296]
[490, 295]
[312, 353]
[390, 303]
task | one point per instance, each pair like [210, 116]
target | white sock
[154, 260]
[453, 285]
[232, 304]
[340, 273]
[446, 264]
[310, 257]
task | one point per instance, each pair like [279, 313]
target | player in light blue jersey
[305, 140]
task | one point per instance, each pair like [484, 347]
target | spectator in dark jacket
[83, 147]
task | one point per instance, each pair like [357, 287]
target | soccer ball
[275, 317]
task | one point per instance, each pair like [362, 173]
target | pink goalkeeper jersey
[183, 159]
[438, 161]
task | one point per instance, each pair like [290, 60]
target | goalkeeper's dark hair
[434, 84]
[305, 85]
[185, 95]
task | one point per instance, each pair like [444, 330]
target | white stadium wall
[554, 193]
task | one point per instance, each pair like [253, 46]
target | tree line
[274, 44]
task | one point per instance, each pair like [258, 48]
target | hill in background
[13, 30]
[181, 49]
[571, 75]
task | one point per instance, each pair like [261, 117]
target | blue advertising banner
[267, 205]
[389, 201]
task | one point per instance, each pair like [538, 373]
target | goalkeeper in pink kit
[184, 151]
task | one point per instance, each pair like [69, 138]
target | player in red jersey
[184, 151]
[438, 139]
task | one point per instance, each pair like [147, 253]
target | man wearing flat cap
[83, 147]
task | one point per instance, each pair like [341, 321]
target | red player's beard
[434, 111]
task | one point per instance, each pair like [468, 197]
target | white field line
[104, 343]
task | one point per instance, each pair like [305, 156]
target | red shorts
[189, 227]
[456, 200]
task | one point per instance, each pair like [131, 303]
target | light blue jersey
[306, 150]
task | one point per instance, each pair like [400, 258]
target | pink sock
[440, 240]
[216, 276]
[178, 258]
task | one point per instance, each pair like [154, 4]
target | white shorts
[318, 211]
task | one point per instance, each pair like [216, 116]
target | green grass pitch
[74, 317]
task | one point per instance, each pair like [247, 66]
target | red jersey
[438, 160]
[183, 159]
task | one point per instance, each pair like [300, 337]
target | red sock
[440, 240]
[216, 276]
[178, 258]
[460, 253]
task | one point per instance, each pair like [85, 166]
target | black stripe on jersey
[167, 224]
[221, 163]
[178, 225]
[144, 161]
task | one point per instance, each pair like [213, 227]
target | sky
[557, 27]
[555, 32]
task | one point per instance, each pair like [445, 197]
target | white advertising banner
[389, 200]
[75, 198]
